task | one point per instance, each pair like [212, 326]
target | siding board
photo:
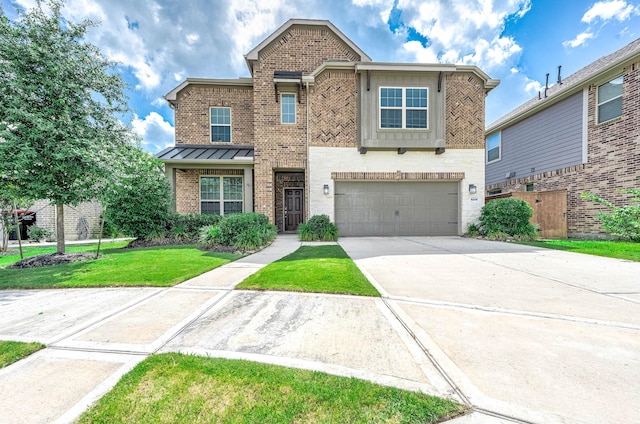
[548, 140]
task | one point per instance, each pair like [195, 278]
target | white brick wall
[325, 160]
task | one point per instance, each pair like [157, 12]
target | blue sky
[159, 43]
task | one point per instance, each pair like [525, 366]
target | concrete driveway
[522, 334]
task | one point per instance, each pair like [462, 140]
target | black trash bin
[27, 218]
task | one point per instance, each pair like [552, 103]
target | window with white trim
[610, 100]
[220, 124]
[288, 108]
[494, 147]
[220, 195]
[404, 108]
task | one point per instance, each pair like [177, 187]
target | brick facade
[334, 110]
[188, 187]
[80, 222]
[613, 150]
[464, 109]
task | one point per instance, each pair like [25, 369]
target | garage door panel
[396, 208]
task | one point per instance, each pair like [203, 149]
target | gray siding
[372, 137]
[546, 141]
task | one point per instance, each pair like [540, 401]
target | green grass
[11, 352]
[317, 269]
[152, 266]
[608, 248]
[14, 253]
[175, 388]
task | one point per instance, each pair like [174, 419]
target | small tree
[59, 102]
[621, 221]
[9, 202]
[137, 201]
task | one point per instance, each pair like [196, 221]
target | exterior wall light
[472, 189]
[325, 189]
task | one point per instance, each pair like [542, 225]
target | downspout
[307, 184]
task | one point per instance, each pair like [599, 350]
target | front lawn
[608, 248]
[152, 266]
[11, 352]
[317, 269]
[176, 388]
[13, 255]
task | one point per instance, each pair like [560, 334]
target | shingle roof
[573, 81]
[195, 152]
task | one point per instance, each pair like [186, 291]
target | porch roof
[198, 153]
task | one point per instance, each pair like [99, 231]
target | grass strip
[11, 352]
[315, 269]
[144, 267]
[13, 255]
[608, 248]
[176, 388]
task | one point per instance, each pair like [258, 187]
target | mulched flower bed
[49, 259]
[166, 241]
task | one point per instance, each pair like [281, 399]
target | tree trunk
[59, 227]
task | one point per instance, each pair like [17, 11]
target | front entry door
[293, 213]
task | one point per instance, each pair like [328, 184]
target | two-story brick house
[319, 128]
[580, 135]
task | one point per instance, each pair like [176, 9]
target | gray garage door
[376, 208]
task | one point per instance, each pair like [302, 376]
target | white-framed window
[404, 107]
[220, 124]
[288, 108]
[494, 147]
[609, 99]
[220, 195]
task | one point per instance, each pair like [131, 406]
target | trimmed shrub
[318, 228]
[36, 233]
[621, 221]
[508, 217]
[243, 231]
[188, 226]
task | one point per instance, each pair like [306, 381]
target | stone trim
[537, 177]
[221, 172]
[397, 176]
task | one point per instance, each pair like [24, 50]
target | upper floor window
[220, 124]
[220, 195]
[288, 108]
[404, 108]
[494, 145]
[610, 100]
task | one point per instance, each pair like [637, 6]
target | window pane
[493, 140]
[210, 188]
[493, 154]
[610, 90]
[391, 118]
[288, 108]
[220, 133]
[610, 110]
[416, 97]
[416, 119]
[232, 188]
[232, 207]
[391, 97]
[220, 116]
[210, 208]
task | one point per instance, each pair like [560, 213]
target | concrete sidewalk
[95, 336]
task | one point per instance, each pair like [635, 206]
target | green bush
[472, 230]
[243, 231]
[188, 226]
[508, 217]
[36, 233]
[318, 228]
[622, 221]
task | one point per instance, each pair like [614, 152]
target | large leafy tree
[60, 103]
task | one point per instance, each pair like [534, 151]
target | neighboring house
[318, 128]
[581, 134]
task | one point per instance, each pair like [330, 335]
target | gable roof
[571, 85]
[252, 56]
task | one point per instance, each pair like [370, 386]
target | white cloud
[156, 133]
[532, 87]
[464, 31]
[579, 40]
[514, 70]
[606, 10]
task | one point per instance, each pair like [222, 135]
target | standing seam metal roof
[204, 153]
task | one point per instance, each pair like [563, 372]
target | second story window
[404, 108]
[494, 147]
[220, 124]
[610, 100]
[288, 108]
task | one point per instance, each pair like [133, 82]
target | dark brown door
[293, 200]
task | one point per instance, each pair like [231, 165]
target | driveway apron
[525, 334]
